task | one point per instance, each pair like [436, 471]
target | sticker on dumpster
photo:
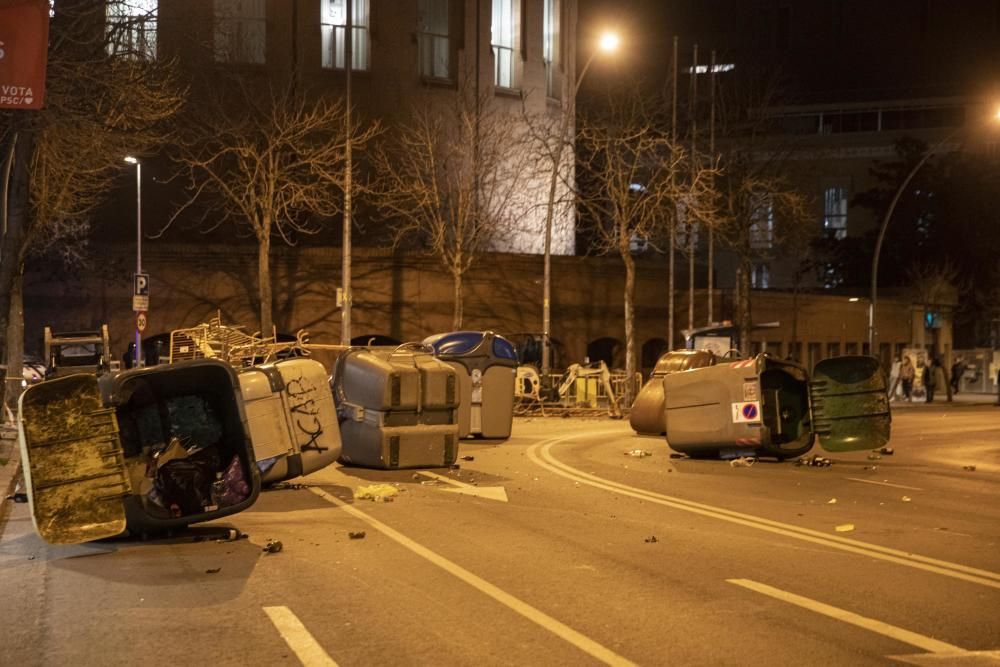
[746, 413]
[750, 391]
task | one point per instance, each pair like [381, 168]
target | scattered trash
[287, 486]
[844, 528]
[18, 497]
[429, 482]
[358, 535]
[969, 468]
[676, 456]
[232, 535]
[874, 457]
[454, 466]
[380, 493]
[814, 461]
[831, 501]
[872, 468]
[213, 570]
[638, 453]
[651, 539]
[906, 499]
[887, 451]
[468, 458]
[273, 546]
[742, 462]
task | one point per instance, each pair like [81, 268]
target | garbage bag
[234, 488]
[187, 483]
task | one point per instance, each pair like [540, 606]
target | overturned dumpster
[646, 416]
[486, 366]
[145, 451]
[291, 417]
[767, 407]
[397, 407]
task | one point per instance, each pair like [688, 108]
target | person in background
[928, 377]
[906, 375]
[957, 369]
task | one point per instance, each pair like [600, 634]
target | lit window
[240, 31]
[760, 277]
[131, 28]
[334, 33]
[762, 225]
[550, 36]
[434, 44]
[835, 212]
[503, 43]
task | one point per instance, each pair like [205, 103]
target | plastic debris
[18, 497]
[969, 468]
[273, 546]
[651, 539]
[874, 457]
[233, 534]
[213, 570]
[886, 451]
[906, 499]
[468, 458]
[814, 461]
[638, 453]
[831, 501]
[379, 493]
[742, 462]
[356, 535]
[844, 528]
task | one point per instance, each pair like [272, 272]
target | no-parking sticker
[747, 412]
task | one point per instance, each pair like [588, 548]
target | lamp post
[138, 244]
[608, 43]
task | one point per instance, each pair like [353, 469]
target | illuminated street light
[138, 244]
[607, 43]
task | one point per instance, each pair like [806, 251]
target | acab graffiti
[303, 399]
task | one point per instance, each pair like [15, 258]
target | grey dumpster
[487, 365]
[767, 407]
[396, 407]
[646, 416]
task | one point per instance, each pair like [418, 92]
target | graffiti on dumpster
[302, 398]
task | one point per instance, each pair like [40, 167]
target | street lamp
[607, 43]
[138, 244]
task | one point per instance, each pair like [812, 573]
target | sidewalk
[10, 458]
[962, 398]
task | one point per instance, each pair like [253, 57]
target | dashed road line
[305, 646]
[540, 453]
[895, 486]
[537, 616]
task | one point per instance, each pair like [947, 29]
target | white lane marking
[305, 646]
[928, 644]
[491, 492]
[561, 630]
[895, 486]
[541, 450]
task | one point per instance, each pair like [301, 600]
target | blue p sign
[140, 284]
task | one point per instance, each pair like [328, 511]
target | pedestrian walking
[932, 379]
[906, 375]
[957, 370]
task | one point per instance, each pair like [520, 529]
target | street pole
[345, 318]
[568, 113]
[693, 107]
[873, 297]
[671, 250]
[711, 228]
[138, 247]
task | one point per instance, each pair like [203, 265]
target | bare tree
[273, 163]
[102, 103]
[450, 177]
[635, 179]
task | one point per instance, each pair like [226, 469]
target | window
[762, 225]
[760, 277]
[835, 212]
[240, 31]
[550, 37]
[131, 28]
[503, 43]
[434, 44]
[334, 33]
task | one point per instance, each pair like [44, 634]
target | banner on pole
[24, 41]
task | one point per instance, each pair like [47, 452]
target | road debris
[969, 468]
[379, 493]
[213, 570]
[874, 457]
[906, 499]
[273, 547]
[651, 539]
[831, 501]
[638, 453]
[814, 461]
[468, 458]
[233, 534]
[742, 462]
[844, 528]
[18, 497]
[676, 456]
[356, 535]
[886, 451]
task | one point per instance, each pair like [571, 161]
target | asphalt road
[555, 548]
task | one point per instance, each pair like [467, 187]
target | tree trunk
[15, 341]
[629, 327]
[456, 320]
[11, 245]
[743, 317]
[264, 283]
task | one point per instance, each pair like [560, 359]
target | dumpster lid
[460, 343]
[850, 404]
[74, 469]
